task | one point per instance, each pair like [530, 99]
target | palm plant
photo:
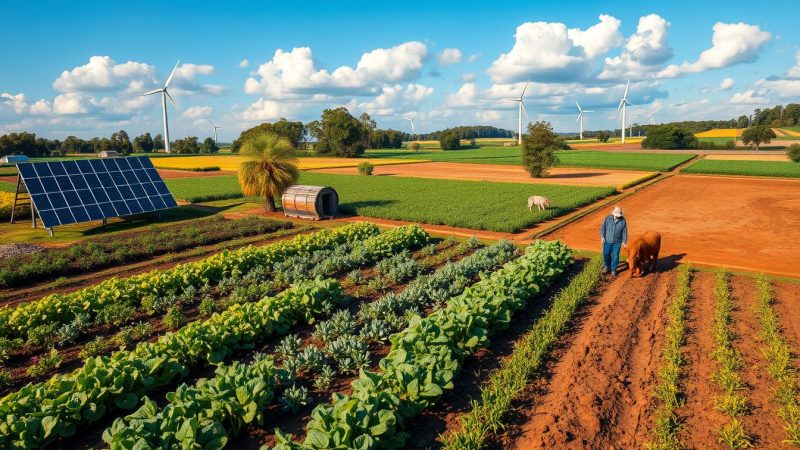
[271, 169]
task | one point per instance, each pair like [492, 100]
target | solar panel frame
[66, 192]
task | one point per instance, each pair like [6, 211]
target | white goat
[540, 202]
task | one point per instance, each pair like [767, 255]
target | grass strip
[785, 169]
[514, 373]
[732, 402]
[779, 362]
[668, 392]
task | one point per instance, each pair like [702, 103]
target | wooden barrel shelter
[310, 202]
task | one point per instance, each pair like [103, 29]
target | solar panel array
[66, 192]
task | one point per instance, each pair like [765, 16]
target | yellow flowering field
[721, 132]
[232, 162]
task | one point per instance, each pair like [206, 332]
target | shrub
[115, 314]
[538, 149]
[450, 141]
[365, 168]
[602, 136]
[414, 146]
[730, 144]
[669, 137]
[794, 152]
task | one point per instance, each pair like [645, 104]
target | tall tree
[338, 134]
[121, 143]
[294, 131]
[757, 135]
[272, 167]
[538, 148]
[143, 143]
[209, 146]
[158, 142]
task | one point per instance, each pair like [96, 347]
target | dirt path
[501, 173]
[600, 393]
[787, 307]
[699, 417]
[741, 223]
[762, 422]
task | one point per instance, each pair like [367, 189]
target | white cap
[617, 212]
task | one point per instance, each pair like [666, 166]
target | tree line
[29, 144]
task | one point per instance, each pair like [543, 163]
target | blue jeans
[611, 255]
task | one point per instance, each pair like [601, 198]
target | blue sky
[77, 67]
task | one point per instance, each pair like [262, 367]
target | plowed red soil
[601, 391]
[598, 393]
[762, 422]
[502, 173]
[737, 222]
[699, 417]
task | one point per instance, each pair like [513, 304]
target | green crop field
[716, 140]
[569, 158]
[470, 204]
[751, 168]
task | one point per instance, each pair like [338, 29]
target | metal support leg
[16, 195]
[105, 221]
[50, 230]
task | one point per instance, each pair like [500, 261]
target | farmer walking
[613, 235]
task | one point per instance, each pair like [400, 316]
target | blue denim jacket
[615, 231]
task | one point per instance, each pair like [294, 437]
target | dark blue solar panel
[57, 167]
[27, 170]
[71, 167]
[67, 192]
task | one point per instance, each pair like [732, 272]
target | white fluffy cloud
[21, 107]
[748, 98]
[244, 63]
[726, 84]
[450, 56]
[396, 98]
[731, 43]
[102, 73]
[548, 51]
[644, 50]
[294, 74]
[267, 110]
[198, 112]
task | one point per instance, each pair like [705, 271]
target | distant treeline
[25, 143]
[468, 132]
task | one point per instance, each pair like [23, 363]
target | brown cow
[643, 253]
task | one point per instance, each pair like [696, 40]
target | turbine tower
[411, 119]
[521, 110]
[215, 130]
[623, 105]
[652, 120]
[164, 96]
[581, 112]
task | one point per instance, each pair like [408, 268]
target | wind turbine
[215, 130]
[521, 110]
[164, 96]
[652, 120]
[411, 119]
[580, 118]
[623, 106]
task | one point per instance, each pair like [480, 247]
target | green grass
[751, 168]
[471, 204]
[721, 141]
[569, 158]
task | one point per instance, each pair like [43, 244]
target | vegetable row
[207, 414]
[38, 414]
[425, 357]
[54, 310]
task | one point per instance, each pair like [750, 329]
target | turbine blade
[524, 89]
[620, 104]
[626, 89]
[172, 101]
[212, 123]
[171, 74]
[522, 104]
[155, 91]
[579, 118]
[579, 106]
[586, 110]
